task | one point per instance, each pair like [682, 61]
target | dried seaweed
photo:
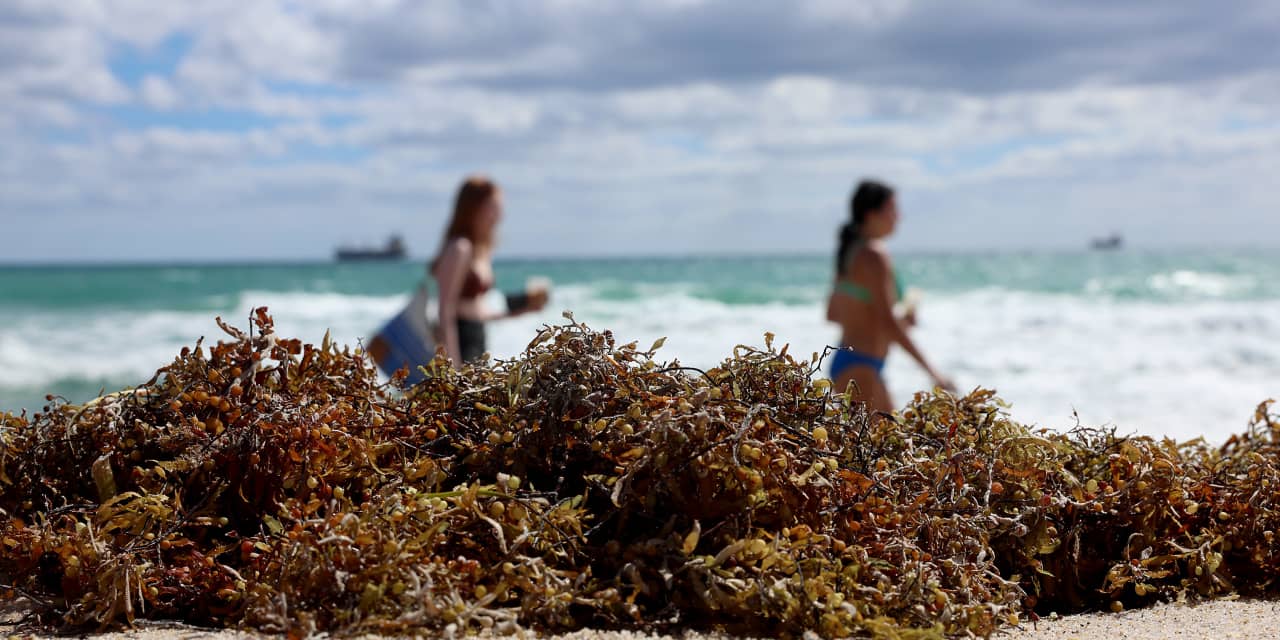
[275, 485]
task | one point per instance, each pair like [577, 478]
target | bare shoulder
[877, 257]
[458, 248]
[453, 258]
[456, 251]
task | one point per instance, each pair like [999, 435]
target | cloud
[686, 125]
[46, 58]
[989, 46]
[158, 93]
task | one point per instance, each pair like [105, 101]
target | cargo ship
[394, 250]
[1108, 243]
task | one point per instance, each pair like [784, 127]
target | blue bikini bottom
[846, 358]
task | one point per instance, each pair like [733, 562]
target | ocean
[1179, 344]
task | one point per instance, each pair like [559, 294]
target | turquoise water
[1121, 337]
[1168, 277]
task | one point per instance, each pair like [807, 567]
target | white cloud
[158, 93]
[627, 121]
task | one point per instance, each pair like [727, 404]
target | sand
[1219, 620]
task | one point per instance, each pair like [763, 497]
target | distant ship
[393, 251]
[1108, 243]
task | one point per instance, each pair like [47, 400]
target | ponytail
[847, 237]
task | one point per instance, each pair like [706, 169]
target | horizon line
[585, 257]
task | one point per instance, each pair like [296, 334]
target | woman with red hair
[463, 272]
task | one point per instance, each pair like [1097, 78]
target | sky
[279, 129]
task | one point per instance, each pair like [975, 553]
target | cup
[538, 289]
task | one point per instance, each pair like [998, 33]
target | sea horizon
[501, 257]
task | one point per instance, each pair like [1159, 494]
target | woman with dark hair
[463, 272]
[863, 298]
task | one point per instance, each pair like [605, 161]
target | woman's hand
[538, 300]
[533, 298]
[944, 383]
[908, 305]
[537, 291]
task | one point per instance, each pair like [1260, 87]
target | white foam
[41, 348]
[1182, 369]
[1198, 284]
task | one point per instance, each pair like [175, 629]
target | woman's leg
[858, 381]
[867, 386]
[881, 401]
[471, 339]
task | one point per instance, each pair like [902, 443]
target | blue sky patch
[131, 64]
[311, 89]
[684, 141]
[1234, 123]
[307, 153]
[139, 118]
[977, 156]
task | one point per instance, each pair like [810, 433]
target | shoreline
[1236, 619]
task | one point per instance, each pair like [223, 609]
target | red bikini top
[474, 286]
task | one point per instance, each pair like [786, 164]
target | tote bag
[409, 337]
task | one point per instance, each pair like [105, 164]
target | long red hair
[465, 221]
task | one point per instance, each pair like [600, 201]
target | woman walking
[863, 298]
[463, 273]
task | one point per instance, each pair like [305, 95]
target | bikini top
[859, 292]
[474, 286]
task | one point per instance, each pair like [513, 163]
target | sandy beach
[1220, 620]
[1236, 619]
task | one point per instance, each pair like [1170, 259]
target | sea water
[1182, 344]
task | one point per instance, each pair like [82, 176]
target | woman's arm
[490, 315]
[882, 302]
[451, 272]
[530, 300]
[831, 307]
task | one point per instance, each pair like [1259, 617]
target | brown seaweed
[275, 485]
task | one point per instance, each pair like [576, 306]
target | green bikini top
[859, 292]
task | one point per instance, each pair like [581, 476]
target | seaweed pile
[270, 484]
